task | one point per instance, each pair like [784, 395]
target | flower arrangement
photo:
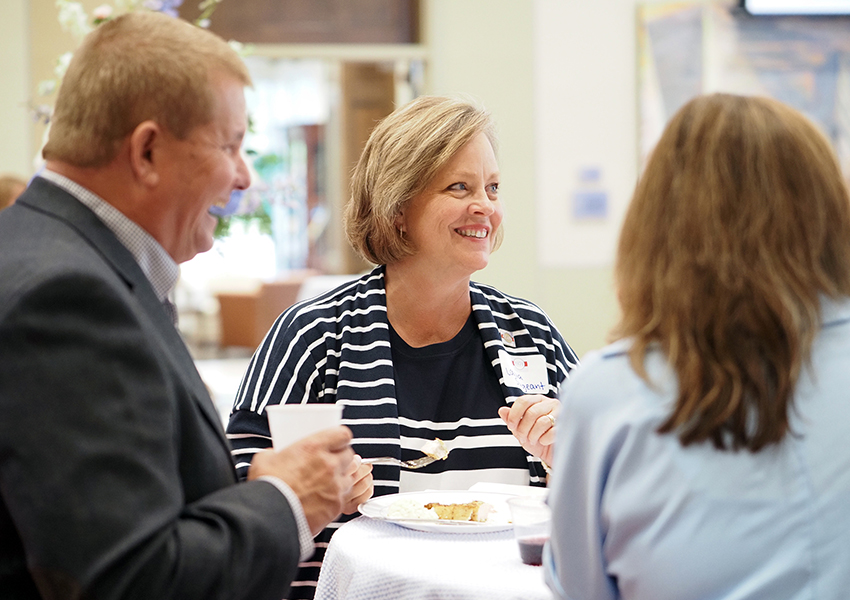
[244, 206]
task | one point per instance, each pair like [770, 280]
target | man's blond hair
[140, 66]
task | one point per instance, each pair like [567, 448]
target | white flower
[104, 11]
[46, 87]
[73, 18]
[62, 64]
[41, 113]
[240, 48]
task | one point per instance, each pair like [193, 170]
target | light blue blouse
[640, 517]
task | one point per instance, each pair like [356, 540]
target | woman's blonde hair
[738, 226]
[139, 66]
[401, 157]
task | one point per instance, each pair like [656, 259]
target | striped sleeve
[301, 361]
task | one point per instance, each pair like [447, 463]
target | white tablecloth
[370, 559]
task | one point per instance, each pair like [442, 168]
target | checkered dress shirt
[156, 264]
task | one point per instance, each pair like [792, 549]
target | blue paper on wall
[590, 204]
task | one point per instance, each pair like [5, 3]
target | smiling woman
[414, 350]
[449, 226]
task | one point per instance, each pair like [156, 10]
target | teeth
[476, 233]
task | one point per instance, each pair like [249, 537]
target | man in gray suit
[116, 479]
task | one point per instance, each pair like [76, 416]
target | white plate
[499, 518]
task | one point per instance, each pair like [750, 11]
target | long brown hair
[740, 222]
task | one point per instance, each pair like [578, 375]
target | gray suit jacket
[115, 476]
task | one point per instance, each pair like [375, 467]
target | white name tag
[527, 372]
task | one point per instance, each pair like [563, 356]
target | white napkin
[507, 488]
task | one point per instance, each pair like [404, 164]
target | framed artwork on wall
[691, 48]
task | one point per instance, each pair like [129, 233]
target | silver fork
[434, 450]
[409, 464]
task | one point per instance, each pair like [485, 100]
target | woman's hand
[361, 485]
[532, 421]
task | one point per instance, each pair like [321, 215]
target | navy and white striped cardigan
[336, 348]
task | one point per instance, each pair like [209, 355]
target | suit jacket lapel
[53, 200]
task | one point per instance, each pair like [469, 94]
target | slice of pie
[469, 511]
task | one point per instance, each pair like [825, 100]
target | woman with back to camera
[704, 455]
[414, 350]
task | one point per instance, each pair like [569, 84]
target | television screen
[797, 7]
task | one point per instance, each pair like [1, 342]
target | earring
[401, 232]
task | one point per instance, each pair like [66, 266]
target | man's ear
[145, 146]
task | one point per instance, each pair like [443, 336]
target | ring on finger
[551, 418]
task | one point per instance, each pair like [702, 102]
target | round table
[372, 559]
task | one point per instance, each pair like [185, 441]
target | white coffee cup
[289, 423]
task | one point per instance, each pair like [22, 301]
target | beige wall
[14, 88]
[31, 41]
[483, 48]
[487, 48]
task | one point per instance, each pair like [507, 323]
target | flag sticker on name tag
[526, 372]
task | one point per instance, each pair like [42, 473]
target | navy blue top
[441, 387]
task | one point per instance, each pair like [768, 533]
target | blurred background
[579, 90]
